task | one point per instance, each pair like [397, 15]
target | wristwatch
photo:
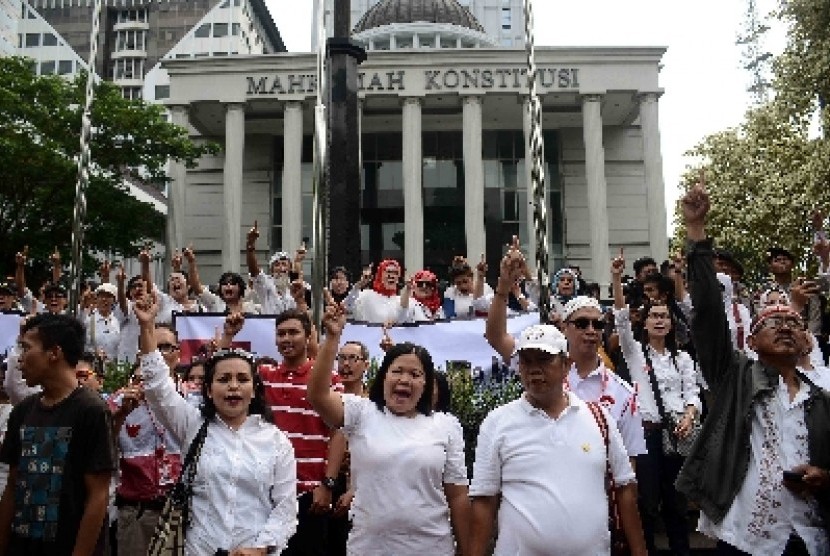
[328, 482]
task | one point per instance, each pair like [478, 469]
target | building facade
[136, 35]
[444, 155]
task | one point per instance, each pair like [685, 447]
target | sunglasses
[424, 284]
[583, 322]
[82, 374]
[167, 347]
[351, 358]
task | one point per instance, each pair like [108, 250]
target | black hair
[258, 404]
[233, 278]
[186, 369]
[376, 390]
[364, 351]
[340, 269]
[444, 398]
[459, 268]
[642, 334]
[643, 262]
[664, 284]
[61, 331]
[295, 314]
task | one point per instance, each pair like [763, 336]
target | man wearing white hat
[541, 465]
[273, 291]
[103, 329]
[588, 378]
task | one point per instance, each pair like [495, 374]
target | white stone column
[597, 189]
[232, 192]
[473, 179]
[413, 224]
[176, 192]
[531, 228]
[292, 175]
[655, 189]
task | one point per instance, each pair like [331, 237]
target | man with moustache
[760, 469]
[274, 289]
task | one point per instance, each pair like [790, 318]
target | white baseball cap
[544, 337]
[107, 288]
[580, 302]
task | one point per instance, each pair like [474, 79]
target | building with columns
[444, 149]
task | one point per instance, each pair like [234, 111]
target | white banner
[9, 331]
[258, 334]
[456, 340]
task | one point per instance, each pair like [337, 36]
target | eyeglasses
[83, 374]
[166, 347]
[136, 378]
[780, 321]
[664, 316]
[583, 322]
[424, 284]
[350, 357]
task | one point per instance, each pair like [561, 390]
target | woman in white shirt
[243, 499]
[655, 356]
[407, 462]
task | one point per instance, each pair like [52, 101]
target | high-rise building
[135, 36]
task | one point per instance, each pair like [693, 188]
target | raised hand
[121, 275]
[176, 261]
[233, 324]
[55, 257]
[481, 267]
[146, 308]
[366, 277]
[334, 319]
[299, 255]
[618, 264]
[386, 341]
[189, 254]
[696, 203]
[104, 270]
[513, 266]
[21, 257]
[144, 255]
[253, 235]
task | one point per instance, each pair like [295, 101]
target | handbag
[672, 445]
[168, 538]
[619, 542]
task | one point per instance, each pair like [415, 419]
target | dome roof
[387, 12]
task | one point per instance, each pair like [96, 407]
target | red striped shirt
[285, 392]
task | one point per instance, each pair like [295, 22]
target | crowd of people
[686, 391]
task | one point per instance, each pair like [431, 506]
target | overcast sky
[705, 87]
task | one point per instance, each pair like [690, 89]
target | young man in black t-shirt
[59, 448]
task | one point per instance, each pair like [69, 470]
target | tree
[40, 122]
[768, 174]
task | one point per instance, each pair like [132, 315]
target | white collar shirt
[676, 377]
[765, 513]
[377, 308]
[466, 305]
[542, 467]
[103, 333]
[615, 395]
[244, 491]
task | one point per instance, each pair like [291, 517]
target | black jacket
[717, 464]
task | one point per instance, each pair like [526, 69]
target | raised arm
[192, 271]
[322, 398]
[481, 278]
[57, 269]
[20, 270]
[710, 328]
[250, 250]
[121, 294]
[617, 268]
[511, 270]
[144, 259]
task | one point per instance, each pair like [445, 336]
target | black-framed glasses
[350, 357]
[583, 322]
[166, 347]
[425, 284]
[780, 321]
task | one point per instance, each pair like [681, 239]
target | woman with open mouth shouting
[243, 500]
[407, 461]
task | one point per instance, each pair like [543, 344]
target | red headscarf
[433, 302]
[378, 284]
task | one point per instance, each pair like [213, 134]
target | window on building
[506, 18]
[30, 14]
[220, 29]
[236, 29]
[65, 67]
[32, 39]
[203, 31]
[220, 53]
[49, 39]
[162, 92]
[47, 67]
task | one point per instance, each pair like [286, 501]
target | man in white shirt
[587, 377]
[541, 464]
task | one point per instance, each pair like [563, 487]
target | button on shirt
[103, 333]
[678, 384]
[765, 513]
[244, 488]
[615, 395]
[551, 477]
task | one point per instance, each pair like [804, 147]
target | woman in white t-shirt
[407, 461]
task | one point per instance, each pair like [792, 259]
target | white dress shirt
[103, 333]
[615, 395]
[377, 308]
[765, 512]
[244, 491]
[271, 300]
[676, 377]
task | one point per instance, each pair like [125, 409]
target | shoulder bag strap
[655, 388]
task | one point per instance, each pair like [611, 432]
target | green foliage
[116, 375]
[40, 122]
[768, 174]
